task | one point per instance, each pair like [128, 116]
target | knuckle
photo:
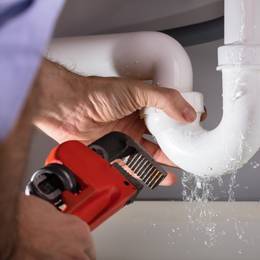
[81, 224]
[77, 223]
[167, 94]
[174, 93]
[74, 219]
[139, 95]
[176, 97]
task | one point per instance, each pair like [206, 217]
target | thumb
[166, 99]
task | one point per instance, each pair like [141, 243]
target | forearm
[56, 87]
[63, 96]
[13, 157]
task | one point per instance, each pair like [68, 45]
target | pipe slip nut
[239, 55]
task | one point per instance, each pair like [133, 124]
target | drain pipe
[155, 56]
[237, 138]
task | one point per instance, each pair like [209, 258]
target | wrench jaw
[50, 182]
[132, 157]
[149, 174]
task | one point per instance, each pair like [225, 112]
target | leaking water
[254, 164]
[201, 216]
[238, 95]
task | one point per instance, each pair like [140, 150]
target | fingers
[204, 115]
[169, 100]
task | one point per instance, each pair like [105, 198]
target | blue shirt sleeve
[25, 29]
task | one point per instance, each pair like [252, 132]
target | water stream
[200, 214]
[202, 218]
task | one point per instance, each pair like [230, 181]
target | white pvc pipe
[242, 21]
[141, 55]
[155, 56]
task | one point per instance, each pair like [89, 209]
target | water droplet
[238, 94]
[255, 164]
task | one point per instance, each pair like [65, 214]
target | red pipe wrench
[93, 182]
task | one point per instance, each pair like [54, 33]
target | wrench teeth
[145, 169]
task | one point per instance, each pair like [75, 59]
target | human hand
[45, 233]
[86, 108]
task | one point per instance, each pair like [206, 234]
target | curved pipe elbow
[154, 56]
[140, 55]
[227, 147]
